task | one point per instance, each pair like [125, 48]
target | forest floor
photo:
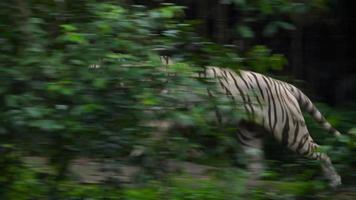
[88, 171]
[342, 193]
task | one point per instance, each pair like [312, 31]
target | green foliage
[226, 184]
[260, 59]
[84, 79]
[89, 85]
[245, 31]
[270, 12]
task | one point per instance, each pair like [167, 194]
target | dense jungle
[91, 111]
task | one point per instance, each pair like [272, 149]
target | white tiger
[274, 107]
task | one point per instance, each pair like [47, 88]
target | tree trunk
[203, 15]
[221, 23]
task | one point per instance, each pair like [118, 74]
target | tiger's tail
[306, 104]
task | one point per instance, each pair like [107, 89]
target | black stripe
[209, 93]
[217, 113]
[219, 79]
[332, 130]
[311, 149]
[307, 151]
[249, 102]
[254, 92]
[302, 99]
[258, 85]
[296, 133]
[285, 133]
[241, 140]
[221, 84]
[276, 88]
[313, 111]
[227, 82]
[250, 80]
[296, 92]
[227, 91]
[241, 93]
[245, 137]
[275, 106]
[214, 72]
[283, 103]
[241, 77]
[290, 101]
[269, 93]
[302, 142]
[253, 89]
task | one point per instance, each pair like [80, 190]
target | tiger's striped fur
[274, 107]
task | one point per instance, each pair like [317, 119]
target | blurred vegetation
[84, 79]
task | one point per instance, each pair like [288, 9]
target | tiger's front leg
[251, 139]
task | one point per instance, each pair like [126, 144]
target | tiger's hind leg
[308, 148]
[251, 139]
[329, 171]
[327, 167]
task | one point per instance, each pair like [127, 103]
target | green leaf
[167, 13]
[86, 109]
[265, 7]
[273, 27]
[239, 2]
[34, 112]
[245, 31]
[286, 25]
[352, 131]
[60, 88]
[184, 119]
[277, 61]
[68, 27]
[46, 125]
[12, 100]
[270, 29]
[76, 38]
[100, 83]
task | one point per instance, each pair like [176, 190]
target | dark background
[320, 51]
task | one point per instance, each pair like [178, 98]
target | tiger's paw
[335, 182]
